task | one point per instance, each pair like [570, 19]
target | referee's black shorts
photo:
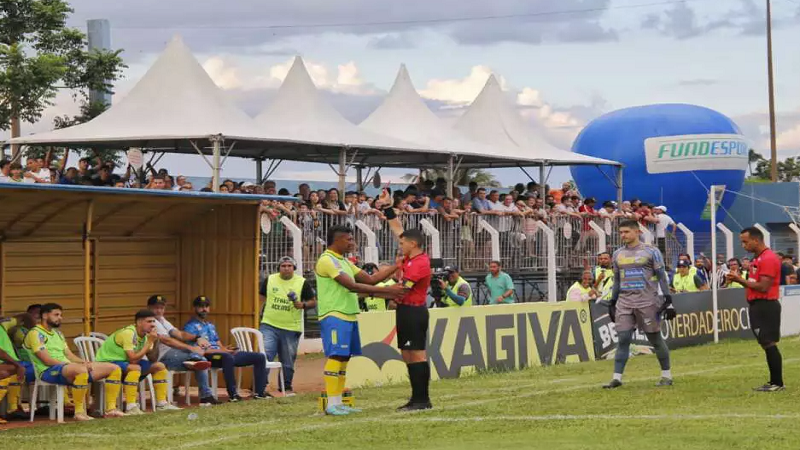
[765, 320]
[412, 327]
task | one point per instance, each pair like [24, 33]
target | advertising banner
[694, 324]
[790, 310]
[464, 340]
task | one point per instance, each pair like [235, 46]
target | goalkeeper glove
[667, 309]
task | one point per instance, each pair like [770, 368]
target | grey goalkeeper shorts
[646, 319]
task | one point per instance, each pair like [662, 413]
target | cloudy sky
[565, 62]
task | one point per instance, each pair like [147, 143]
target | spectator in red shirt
[412, 317]
[762, 286]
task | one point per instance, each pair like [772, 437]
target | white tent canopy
[403, 114]
[492, 120]
[299, 113]
[174, 105]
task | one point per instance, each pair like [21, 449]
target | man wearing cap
[176, 354]
[664, 222]
[457, 291]
[202, 332]
[685, 281]
[285, 295]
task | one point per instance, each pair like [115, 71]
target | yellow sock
[131, 387]
[342, 376]
[111, 389]
[80, 386]
[160, 385]
[331, 375]
[14, 389]
[4, 386]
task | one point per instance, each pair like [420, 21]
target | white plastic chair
[244, 340]
[56, 396]
[88, 347]
[99, 335]
[187, 374]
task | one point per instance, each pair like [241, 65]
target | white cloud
[790, 140]
[230, 74]
[530, 97]
[460, 91]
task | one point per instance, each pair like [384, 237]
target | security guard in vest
[457, 290]
[285, 295]
[369, 303]
[604, 276]
[685, 281]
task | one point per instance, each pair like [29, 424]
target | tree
[462, 177]
[39, 55]
[753, 157]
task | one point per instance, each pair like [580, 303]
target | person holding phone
[204, 334]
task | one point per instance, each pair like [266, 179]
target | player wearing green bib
[338, 284]
[55, 363]
[127, 348]
[285, 295]
[10, 356]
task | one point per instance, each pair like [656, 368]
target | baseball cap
[156, 300]
[287, 259]
[662, 207]
[450, 268]
[201, 300]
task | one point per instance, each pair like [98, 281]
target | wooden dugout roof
[101, 252]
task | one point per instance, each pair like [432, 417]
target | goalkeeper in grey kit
[635, 303]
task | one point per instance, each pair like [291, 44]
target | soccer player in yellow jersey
[127, 349]
[56, 364]
[338, 284]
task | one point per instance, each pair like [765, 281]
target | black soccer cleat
[613, 384]
[415, 406]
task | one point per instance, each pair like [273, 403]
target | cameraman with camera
[457, 291]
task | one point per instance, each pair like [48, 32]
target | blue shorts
[340, 337]
[30, 373]
[144, 364]
[54, 375]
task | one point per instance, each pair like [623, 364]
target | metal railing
[469, 241]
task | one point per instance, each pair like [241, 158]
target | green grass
[711, 406]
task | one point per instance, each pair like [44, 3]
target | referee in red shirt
[412, 317]
[763, 285]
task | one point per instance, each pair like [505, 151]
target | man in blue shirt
[204, 334]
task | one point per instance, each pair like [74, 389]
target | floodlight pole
[773, 146]
[216, 142]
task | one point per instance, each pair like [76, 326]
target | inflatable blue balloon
[672, 154]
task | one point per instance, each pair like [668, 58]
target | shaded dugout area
[101, 252]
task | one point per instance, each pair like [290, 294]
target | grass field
[711, 406]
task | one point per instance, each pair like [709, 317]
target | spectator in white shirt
[180, 181]
[664, 222]
[609, 209]
[5, 171]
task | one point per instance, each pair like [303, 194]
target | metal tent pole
[217, 142]
[359, 179]
[450, 174]
[619, 185]
[542, 189]
[259, 171]
[342, 170]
